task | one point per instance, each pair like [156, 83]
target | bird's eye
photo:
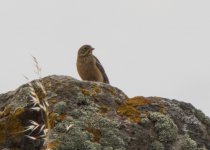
[86, 48]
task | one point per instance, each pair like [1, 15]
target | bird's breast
[88, 70]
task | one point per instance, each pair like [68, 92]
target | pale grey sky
[147, 47]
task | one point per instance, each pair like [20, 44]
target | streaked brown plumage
[89, 67]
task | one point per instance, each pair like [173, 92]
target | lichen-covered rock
[156, 145]
[188, 143]
[60, 112]
[165, 127]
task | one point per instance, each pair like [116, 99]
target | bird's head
[85, 50]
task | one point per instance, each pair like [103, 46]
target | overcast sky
[147, 47]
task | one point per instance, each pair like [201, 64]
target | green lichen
[208, 131]
[60, 107]
[188, 143]
[202, 117]
[23, 97]
[82, 99]
[165, 127]
[202, 148]
[156, 145]
[76, 113]
[115, 140]
[207, 121]
[120, 149]
[145, 122]
[74, 139]
[107, 148]
[92, 146]
[90, 131]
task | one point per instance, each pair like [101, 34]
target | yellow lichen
[91, 92]
[162, 109]
[129, 108]
[129, 111]
[1, 114]
[112, 91]
[96, 89]
[53, 101]
[104, 110]
[86, 92]
[52, 145]
[158, 98]
[138, 101]
[96, 134]
[61, 117]
[10, 125]
[19, 111]
[52, 119]
[7, 111]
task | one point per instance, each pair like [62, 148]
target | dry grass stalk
[40, 104]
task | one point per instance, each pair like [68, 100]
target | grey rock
[83, 115]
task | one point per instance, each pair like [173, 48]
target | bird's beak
[92, 49]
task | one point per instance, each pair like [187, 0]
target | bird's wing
[98, 64]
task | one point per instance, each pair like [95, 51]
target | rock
[60, 112]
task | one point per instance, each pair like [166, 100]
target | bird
[89, 67]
